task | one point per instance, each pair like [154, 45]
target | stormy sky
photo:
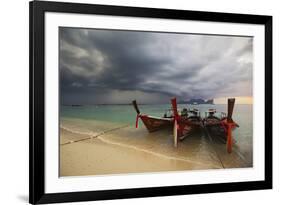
[110, 66]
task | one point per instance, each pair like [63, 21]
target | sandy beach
[98, 148]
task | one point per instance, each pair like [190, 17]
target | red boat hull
[154, 123]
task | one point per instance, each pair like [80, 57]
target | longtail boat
[221, 123]
[184, 122]
[153, 123]
[190, 119]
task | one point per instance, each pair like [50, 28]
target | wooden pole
[175, 133]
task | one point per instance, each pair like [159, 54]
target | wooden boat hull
[215, 128]
[219, 128]
[154, 123]
[186, 126]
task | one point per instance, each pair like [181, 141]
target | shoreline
[101, 148]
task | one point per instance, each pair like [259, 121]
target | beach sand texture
[89, 147]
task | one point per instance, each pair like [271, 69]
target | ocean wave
[78, 132]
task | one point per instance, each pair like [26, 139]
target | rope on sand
[212, 145]
[129, 146]
[218, 156]
[94, 136]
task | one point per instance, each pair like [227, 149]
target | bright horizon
[242, 100]
[238, 100]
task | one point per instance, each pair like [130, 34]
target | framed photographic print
[140, 102]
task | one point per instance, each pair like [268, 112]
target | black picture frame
[37, 11]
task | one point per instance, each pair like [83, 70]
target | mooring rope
[218, 156]
[213, 146]
[93, 136]
[128, 146]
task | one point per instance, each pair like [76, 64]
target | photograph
[133, 101]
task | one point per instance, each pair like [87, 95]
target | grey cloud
[98, 65]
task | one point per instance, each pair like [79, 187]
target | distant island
[191, 101]
[197, 101]
[72, 105]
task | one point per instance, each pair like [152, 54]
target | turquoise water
[126, 114]
[242, 114]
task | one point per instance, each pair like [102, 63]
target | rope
[212, 145]
[95, 136]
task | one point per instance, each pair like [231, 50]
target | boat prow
[152, 123]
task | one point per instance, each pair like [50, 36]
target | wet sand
[98, 148]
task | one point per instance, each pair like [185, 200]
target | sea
[126, 114]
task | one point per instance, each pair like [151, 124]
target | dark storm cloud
[104, 66]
